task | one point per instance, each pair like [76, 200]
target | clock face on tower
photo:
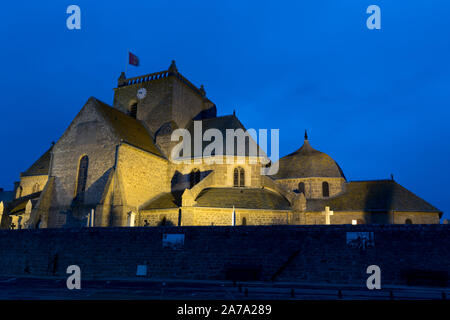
[142, 92]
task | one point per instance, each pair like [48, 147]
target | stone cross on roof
[328, 213]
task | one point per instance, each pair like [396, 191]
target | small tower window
[244, 221]
[301, 187]
[194, 177]
[239, 177]
[325, 189]
[133, 110]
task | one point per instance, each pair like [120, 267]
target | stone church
[112, 167]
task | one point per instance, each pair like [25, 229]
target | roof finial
[392, 176]
[306, 135]
[122, 79]
[202, 90]
[234, 112]
[173, 67]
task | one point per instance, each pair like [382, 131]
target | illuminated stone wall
[223, 174]
[31, 184]
[169, 217]
[313, 186]
[223, 216]
[140, 175]
[88, 135]
[154, 109]
[168, 99]
[343, 217]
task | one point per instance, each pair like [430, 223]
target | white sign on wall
[173, 240]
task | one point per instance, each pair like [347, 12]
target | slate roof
[41, 166]
[376, 195]
[129, 129]
[222, 124]
[165, 201]
[307, 162]
[17, 206]
[248, 198]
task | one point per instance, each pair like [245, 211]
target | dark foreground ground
[136, 289]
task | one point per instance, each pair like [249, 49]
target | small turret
[122, 79]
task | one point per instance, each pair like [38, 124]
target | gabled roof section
[41, 166]
[18, 205]
[165, 201]
[373, 196]
[222, 124]
[127, 128]
[248, 198]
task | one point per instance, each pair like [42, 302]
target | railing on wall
[160, 75]
[145, 78]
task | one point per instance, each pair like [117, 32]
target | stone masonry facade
[114, 167]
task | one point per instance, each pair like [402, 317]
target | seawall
[282, 253]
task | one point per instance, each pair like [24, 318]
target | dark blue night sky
[377, 101]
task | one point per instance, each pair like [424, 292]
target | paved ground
[136, 289]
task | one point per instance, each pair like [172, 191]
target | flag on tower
[133, 59]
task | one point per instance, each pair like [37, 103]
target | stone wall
[223, 173]
[288, 253]
[87, 135]
[168, 99]
[154, 109]
[346, 217]
[313, 186]
[169, 217]
[186, 104]
[32, 184]
[203, 216]
[140, 175]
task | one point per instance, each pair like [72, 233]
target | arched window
[194, 177]
[36, 188]
[82, 176]
[133, 110]
[239, 177]
[408, 221]
[325, 189]
[244, 221]
[301, 187]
